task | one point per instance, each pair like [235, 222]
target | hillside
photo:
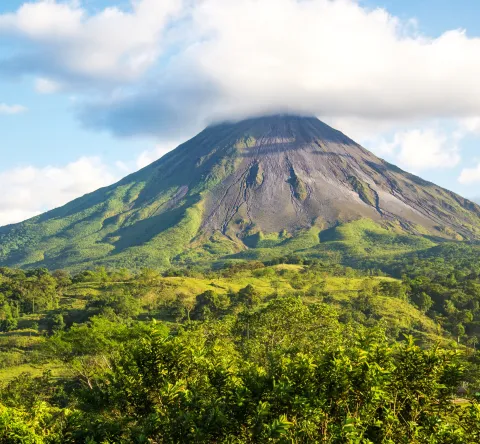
[238, 187]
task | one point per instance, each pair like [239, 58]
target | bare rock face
[268, 174]
[291, 172]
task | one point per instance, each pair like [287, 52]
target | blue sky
[92, 90]
[435, 16]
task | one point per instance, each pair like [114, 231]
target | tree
[55, 323]
[248, 296]
[369, 287]
[120, 302]
[39, 291]
[365, 303]
[122, 275]
[209, 304]
[63, 278]
[473, 341]
[393, 289]
[424, 301]
[101, 274]
[194, 386]
[8, 322]
[318, 288]
[182, 306]
[148, 277]
[450, 308]
[459, 331]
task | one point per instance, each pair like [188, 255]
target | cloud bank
[168, 63]
[470, 175]
[28, 191]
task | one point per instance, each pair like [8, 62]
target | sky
[92, 90]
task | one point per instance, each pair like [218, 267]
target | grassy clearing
[57, 370]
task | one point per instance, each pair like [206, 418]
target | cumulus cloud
[421, 149]
[28, 191]
[470, 125]
[363, 130]
[11, 109]
[63, 40]
[196, 61]
[470, 176]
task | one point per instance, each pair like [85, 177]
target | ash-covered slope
[270, 174]
[292, 172]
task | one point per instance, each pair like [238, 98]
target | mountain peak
[266, 119]
[291, 126]
[257, 177]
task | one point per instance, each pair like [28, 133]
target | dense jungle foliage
[289, 350]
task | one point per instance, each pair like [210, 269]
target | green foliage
[41, 425]
[182, 306]
[55, 323]
[209, 305]
[8, 321]
[120, 302]
[248, 296]
[292, 350]
[289, 372]
[393, 289]
[29, 292]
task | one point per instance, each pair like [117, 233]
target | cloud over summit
[189, 62]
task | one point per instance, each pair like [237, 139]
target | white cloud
[47, 86]
[470, 125]
[228, 58]
[170, 67]
[426, 149]
[333, 58]
[469, 176]
[27, 191]
[11, 109]
[362, 130]
[327, 58]
[420, 149]
[110, 45]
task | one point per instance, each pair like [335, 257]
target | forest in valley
[290, 350]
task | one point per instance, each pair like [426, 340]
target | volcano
[270, 177]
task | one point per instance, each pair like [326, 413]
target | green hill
[258, 188]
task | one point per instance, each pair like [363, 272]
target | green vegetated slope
[259, 188]
[351, 242]
[145, 219]
[113, 356]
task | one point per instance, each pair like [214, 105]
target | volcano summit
[236, 187]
